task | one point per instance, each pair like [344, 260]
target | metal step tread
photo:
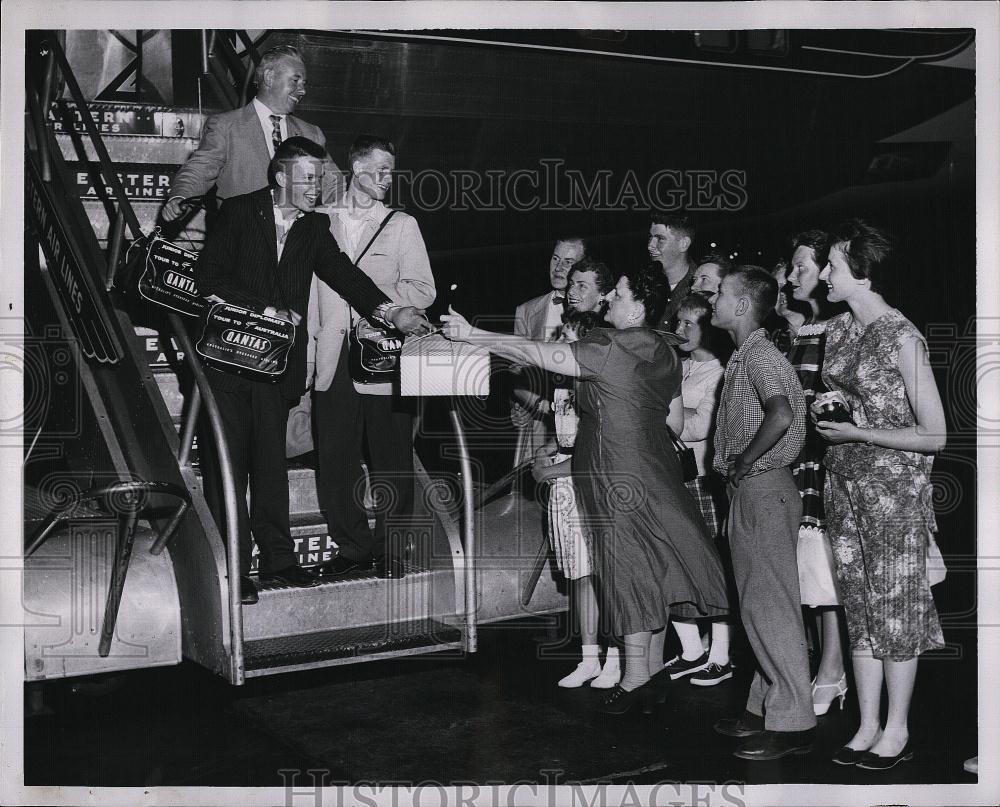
[348, 643]
[411, 568]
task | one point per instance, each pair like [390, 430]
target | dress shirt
[264, 114]
[758, 371]
[553, 316]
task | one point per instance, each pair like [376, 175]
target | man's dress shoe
[746, 725]
[294, 575]
[248, 591]
[340, 566]
[389, 568]
[770, 744]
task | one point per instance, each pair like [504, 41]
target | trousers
[764, 514]
[253, 421]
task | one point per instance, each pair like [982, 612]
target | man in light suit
[344, 413]
[237, 146]
[538, 319]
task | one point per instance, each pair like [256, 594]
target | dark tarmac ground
[495, 716]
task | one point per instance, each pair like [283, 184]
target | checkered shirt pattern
[757, 371]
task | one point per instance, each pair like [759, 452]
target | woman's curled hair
[650, 288]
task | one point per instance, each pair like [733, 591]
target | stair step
[162, 354]
[329, 647]
[349, 602]
[146, 164]
[172, 395]
[302, 490]
[313, 543]
[134, 149]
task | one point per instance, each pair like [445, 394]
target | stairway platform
[328, 648]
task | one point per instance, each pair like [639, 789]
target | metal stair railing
[39, 102]
[126, 500]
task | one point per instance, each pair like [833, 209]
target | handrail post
[116, 238]
[232, 537]
[205, 47]
[50, 71]
[187, 434]
[468, 531]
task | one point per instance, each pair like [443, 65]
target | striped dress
[567, 533]
[817, 572]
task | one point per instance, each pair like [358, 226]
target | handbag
[245, 342]
[167, 277]
[685, 455]
[373, 350]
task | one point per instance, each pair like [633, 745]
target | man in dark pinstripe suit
[262, 255]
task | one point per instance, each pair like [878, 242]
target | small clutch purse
[685, 454]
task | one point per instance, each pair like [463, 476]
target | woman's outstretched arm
[555, 357]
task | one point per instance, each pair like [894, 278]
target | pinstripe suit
[239, 263]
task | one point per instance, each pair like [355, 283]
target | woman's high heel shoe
[622, 700]
[821, 708]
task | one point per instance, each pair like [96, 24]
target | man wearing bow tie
[237, 146]
[539, 319]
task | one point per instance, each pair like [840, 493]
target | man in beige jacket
[345, 413]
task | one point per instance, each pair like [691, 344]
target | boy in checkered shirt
[760, 429]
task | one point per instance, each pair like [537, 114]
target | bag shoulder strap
[378, 232]
[679, 444]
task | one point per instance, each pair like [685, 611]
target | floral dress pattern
[880, 516]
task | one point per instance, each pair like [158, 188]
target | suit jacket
[397, 262]
[530, 316]
[239, 263]
[681, 290]
[233, 156]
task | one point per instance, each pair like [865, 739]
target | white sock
[690, 638]
[591, 651]
[612, 660]
[720, 644]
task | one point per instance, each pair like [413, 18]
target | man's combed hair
[760, 286]
[678, 222]
[585, 244]
[725, 265]
[291, 149]
[365, 144]
[868, 251]
[272, 56]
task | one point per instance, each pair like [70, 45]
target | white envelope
[431, 365]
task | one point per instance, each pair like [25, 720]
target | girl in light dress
[570, 541]
[702, 374]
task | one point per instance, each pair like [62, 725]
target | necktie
[276, 131]
[558, 299]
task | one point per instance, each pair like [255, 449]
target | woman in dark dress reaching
[653, 555]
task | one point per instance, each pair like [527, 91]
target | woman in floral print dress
[878, 491]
